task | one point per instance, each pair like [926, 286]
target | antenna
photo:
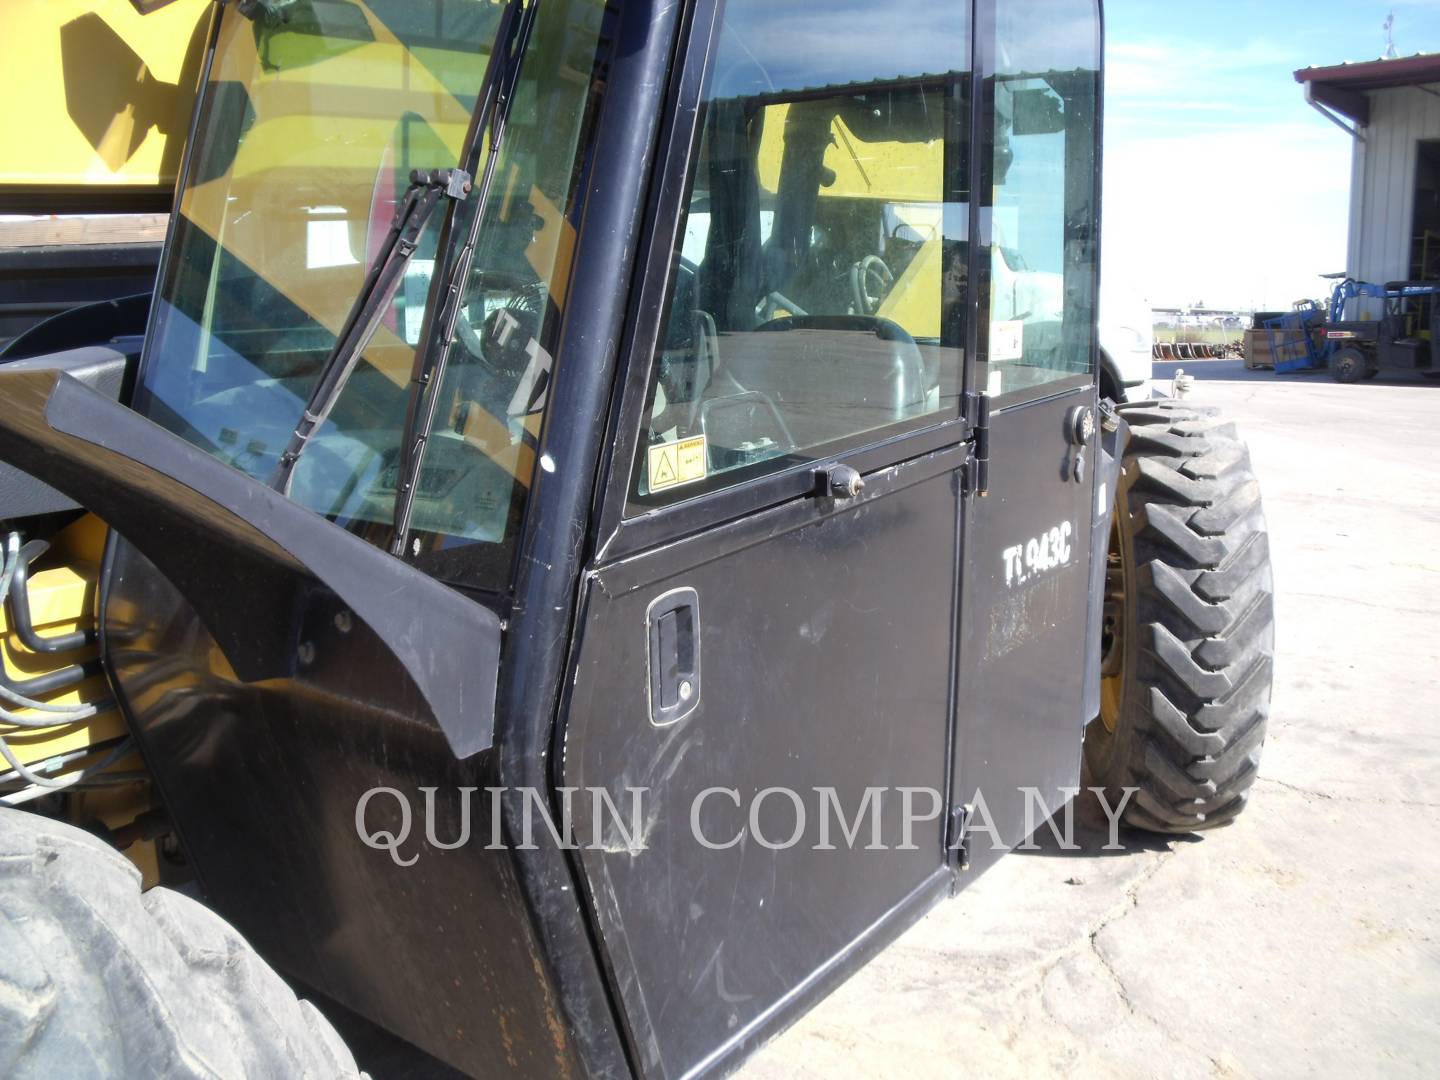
[1390, 51]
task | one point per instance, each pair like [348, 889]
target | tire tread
[100, 979]
[1205, 627]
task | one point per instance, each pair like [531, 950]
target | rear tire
[99, 979]
[1348, 366]
[1190, 643]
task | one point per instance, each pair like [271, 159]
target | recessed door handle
[672, 624]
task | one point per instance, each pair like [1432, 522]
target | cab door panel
[825, 637]
[1023, 653]
[803, 310]
[1028, 536]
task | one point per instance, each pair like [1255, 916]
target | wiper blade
[438, 334]
[427, 188]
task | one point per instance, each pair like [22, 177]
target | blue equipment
[1309, 337]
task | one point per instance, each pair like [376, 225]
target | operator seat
[826, 376]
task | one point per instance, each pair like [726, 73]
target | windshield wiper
[437, 336]
[427, 188]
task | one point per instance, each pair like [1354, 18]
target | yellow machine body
[98, 101]
[897, 174]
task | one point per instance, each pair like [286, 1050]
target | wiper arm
[438, 334]
[427, 188]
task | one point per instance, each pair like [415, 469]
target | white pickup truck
[1127, 344]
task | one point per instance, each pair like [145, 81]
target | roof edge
[1376, 74]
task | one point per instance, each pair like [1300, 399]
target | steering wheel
[775, 304]
[867, 272]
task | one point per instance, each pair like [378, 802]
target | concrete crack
[1031, 979]
[1115, 978]
[1129, 903]
[1311, 793]
[1040, 970]
[1308, 793]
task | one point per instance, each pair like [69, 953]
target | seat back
[828, 376]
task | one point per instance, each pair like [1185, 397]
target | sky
[1222, 186]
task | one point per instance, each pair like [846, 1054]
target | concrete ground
[1305, 939]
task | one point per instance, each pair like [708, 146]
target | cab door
[1029, 538]
[766, 650]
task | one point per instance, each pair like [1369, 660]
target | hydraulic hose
[15, 553]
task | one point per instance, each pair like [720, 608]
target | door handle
[672, 625]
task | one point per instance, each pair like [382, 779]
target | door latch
[838, 482]
[1079, 430]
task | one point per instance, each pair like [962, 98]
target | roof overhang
[1343, 87]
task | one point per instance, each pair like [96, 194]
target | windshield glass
[315, 114]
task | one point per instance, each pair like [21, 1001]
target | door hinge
[977, 476]
[957, 839]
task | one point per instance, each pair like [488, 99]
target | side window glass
[1042, 215]
[818, 290]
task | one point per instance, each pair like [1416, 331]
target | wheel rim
[1112, 638]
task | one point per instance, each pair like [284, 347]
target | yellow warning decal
[676, 463]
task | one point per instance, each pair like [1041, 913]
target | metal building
[1391, 109]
